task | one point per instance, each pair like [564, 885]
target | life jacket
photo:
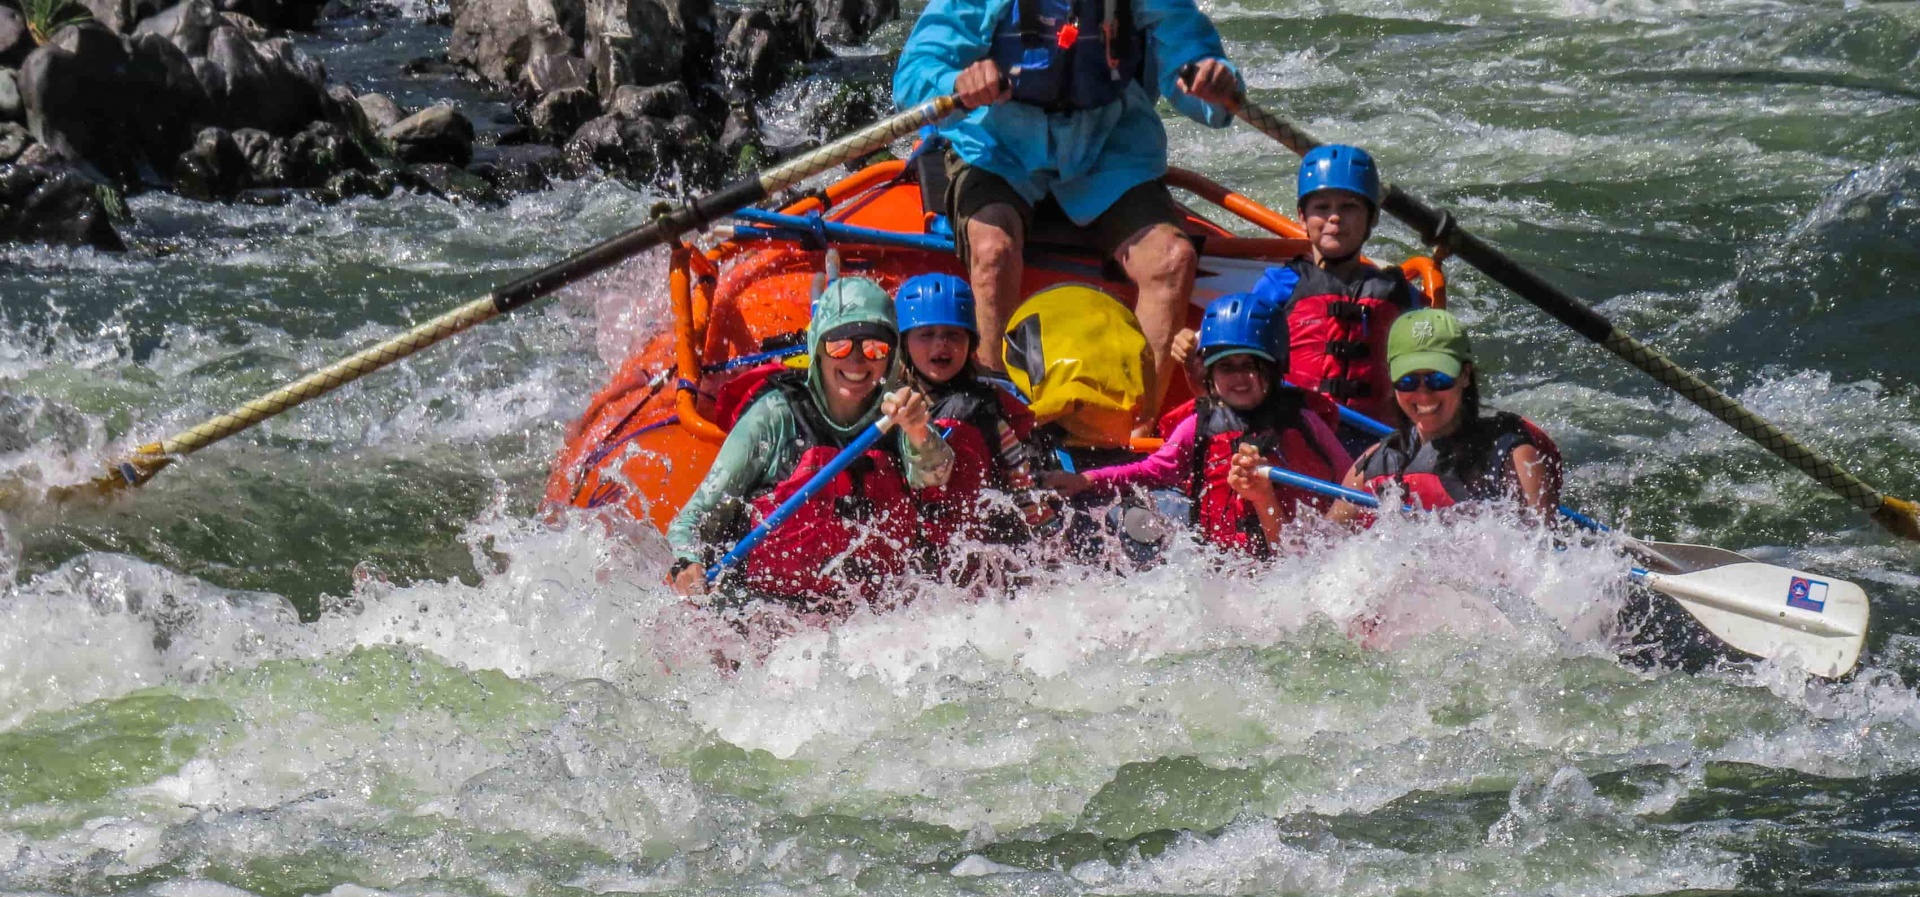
[1470, 465]
[1276, 428]
[1316, 404]
[969, 411]
[1071, 54]
[853, 534]
[1338, 334]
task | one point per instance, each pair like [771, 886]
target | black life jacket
[1070, 54]
[1471, 465]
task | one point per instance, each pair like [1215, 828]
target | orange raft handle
[1433, 280]
[686, 357]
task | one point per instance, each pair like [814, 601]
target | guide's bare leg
[996, 237]
[1161, 262]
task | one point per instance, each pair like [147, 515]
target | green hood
[850, 300]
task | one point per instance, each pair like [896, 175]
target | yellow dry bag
[1080, 357]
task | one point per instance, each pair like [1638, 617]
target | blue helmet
[1337, 166]
[933, 300]
[1243, 324]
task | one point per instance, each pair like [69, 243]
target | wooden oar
[1438, 228]
[152, 458]
[1761, 609]
[847, 456]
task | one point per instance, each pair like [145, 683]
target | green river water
[345, 654]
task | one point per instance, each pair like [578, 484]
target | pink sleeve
[1167, 466]
[1329, 444]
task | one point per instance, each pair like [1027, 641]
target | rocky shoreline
[212, 100]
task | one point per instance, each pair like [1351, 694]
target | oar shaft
[519, 293]
[1583, 320]
[1439, 228]
[788, 508]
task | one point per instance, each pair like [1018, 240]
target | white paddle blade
[1690, 558]
[1770, 611]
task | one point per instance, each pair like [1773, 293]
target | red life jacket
[852, 535]
[1474, 464]
[1316, 404]
[1337, 341]
[1276, 428]
[970, 412]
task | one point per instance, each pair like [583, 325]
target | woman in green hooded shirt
[858, 530]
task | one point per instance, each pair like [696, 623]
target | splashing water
[346, 654]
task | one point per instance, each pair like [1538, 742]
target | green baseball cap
[1430, 339]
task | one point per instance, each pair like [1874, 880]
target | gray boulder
[852, 21]
[436, 134]
[624, 146]
[448, 182]
[267, 86]
[633, 42]
[522, 169]
[187, 25]
[382, 113]
[497, 38]
[14, 140]
[266, 156]
[11, 107]
[50, 204]
[164, 98]
[118, 15]
[74, 94]
[658, 101]
[550, 74]
[15, 41]
[214, 168]
[562, 112]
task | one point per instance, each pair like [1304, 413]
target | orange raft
[647, 439]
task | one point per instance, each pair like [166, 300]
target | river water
[346, 654]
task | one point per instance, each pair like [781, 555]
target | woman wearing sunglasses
[1449, 451]
[862, 527]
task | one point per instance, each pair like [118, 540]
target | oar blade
[1770, 612]
[1691, 558]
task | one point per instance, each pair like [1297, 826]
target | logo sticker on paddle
[1807, 594]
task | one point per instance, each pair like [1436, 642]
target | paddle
[847, 456]
[150, 459]
[1757, 608]
[1438, 228]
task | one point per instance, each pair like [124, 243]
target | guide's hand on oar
[982, 84]
[1210, 81]
[909, 409]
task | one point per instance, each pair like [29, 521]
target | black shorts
[970, 190]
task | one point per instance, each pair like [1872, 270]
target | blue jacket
[1086, 159]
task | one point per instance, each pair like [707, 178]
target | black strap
[1348, 349]
[1343, 388]
[1348, 310]
[1031, 32]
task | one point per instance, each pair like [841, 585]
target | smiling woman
[796, 425]
[1448, 452]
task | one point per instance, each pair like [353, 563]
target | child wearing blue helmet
[1339, 309]
[985, 425]
[1246, 410]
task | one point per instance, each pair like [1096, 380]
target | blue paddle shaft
[787, 508]
[1322, 487]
